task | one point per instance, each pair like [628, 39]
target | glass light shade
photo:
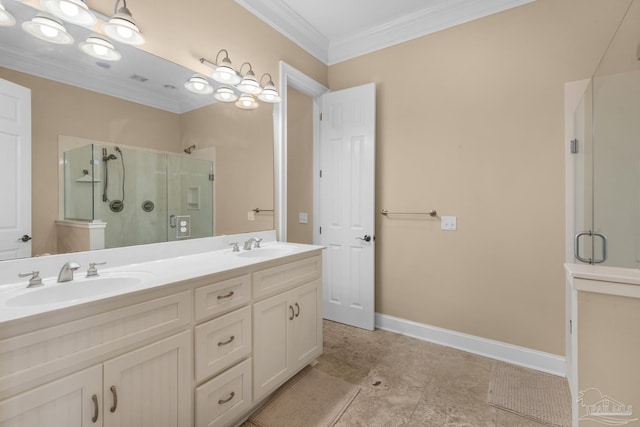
[48, 29]
[225, 73]
[99, 48]
[270, 94]
[6, 19]
[225, 94]
[249, 84]
[199, 84]
[247, 102]
[74, 11]
[123, 28]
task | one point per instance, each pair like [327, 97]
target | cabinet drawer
[221, 342]
[276, 279]
[31, 356]
[225, 397]
[222, 296]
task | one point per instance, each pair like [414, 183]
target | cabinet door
[271, 337]
[307, 324]
[66, 402]
[151, 386]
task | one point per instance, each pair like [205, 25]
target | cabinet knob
[228, 399]
[96, 410]
[114, 393]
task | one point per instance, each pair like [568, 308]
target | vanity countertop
[145, 275]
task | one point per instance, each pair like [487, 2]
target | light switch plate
[303, 218]
[251, 216]
[449, 223]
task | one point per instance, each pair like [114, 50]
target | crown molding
[426, 21]
[286, 21]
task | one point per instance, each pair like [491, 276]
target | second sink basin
[78, 289]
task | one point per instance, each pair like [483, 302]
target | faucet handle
[258, 243]
[35, 279]
[92, 271]
[236, 248]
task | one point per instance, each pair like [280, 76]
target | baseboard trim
[522, 356]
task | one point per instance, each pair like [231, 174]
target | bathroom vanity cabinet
[204, 351]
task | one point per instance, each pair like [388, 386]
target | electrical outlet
[183, 229]
[251, 216]
[449, 223]
[303, 218]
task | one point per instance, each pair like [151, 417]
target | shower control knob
[25, 238]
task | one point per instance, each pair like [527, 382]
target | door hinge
[320, 116]
[320, 173]
[210, 177]
[570, 327]
[320, 230]
[574, 146]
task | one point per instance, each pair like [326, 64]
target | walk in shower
[141, 196]
[606, 152]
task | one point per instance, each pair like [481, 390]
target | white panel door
[347, 205]
[15, 171]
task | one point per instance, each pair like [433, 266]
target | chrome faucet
[66, 272]
[251, 243]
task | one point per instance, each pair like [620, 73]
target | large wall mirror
[140, 106]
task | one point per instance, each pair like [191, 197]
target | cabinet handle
[292, 313]
[229, 341]
[95, 408]
[114, 392]
[298, 307]
[228, 399]
[229, 295]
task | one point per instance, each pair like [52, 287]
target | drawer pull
[114, 393]
[229, 341]
[95, 408]
[229, 295]
[292, 313]
[228, 399]
[298, 307]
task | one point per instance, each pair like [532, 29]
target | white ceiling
[337, 30]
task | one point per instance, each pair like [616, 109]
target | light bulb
[100, 50]
[49, 31]
[124, 32]
[69, 9]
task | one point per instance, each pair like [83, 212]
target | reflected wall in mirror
[243, 140]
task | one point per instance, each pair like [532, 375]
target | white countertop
[150, 273]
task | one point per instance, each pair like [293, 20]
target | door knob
[366, 238]
[25, 238]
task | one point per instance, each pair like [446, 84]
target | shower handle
[576, 247]
[172, 221]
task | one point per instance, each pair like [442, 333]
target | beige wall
[299, 165]
[470, 122]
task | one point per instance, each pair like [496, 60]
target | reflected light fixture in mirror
[74, 11]
[247, 102]
[122, 27]
[6, 19]
[47, 28]
[249, 84]
[199, 84]
[225, 94]
[269, 93]
[100, 48]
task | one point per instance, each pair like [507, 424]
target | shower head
[189, 149]
[109, 157]
[118, 150]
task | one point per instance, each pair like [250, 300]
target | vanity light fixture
[269, 92]
[225, 94]
[199, 84]
[249, 84]
[6, 19]
[247, 102]
[100, 48]
[74, 11]
[122, 27]
[224, 72]
[47, 28]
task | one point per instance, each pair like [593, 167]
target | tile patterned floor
[410, 383]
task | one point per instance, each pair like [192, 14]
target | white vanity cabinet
[146, 387]
[287, 327]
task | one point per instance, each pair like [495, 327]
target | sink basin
[268, 252]
[78, 289]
